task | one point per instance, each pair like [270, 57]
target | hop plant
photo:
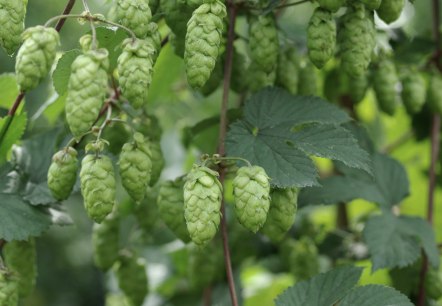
[288, 70]
[331, 5]
[281, 214]
[8, 288]
[116, 300]
[303, 258]
[136, 166]
[357, 87]
[202, 203]
[146, 211]
[413, 90]
[433, 284]
[36, 56]
[98, 185]
[157, 162]
[390, 10]
[263, 42]
[154, 39]
[105, 241]
[357, 39]
[12, 17]
[205, 265]
[435, 92]
[135, 15]
[251, 190]
[87, 89]
[171, 208]
[385, 80]
[321, 37]
[135, 66]
[203, 39]
[214, 80]
[372, 4]
[258, 78]
[308, 79]
[62, 173]
[20, 257]
[132, 278]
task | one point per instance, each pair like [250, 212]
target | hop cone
[171, 208]
[385, 80]
[357, 87]
[288, 70]
[372, 4]
[414, 91]
[303, 258]
[321, 37]
[251, 190]
[263, 42]
[135, 66]
[36, 56]
[281, 214]
[308, 80]
[87, 90]
[98, 185]
[203, 39]
[356, 39]
[12, 17]
[205, 265]
[390, 10]
[215, 79]
[135, 15]
[435, 92]
[62, 173]
[433, 284]
[20, 257]
[132, 278]
[157, 161]
[154, 39]
[258, 78]
[202, 203]
[105, 240]
[331, 5]
[8, 289]
[146, 212]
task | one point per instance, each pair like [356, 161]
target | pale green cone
[288, 70]
[12, 25]
[171, 208]
[98, 185]
[357, 87]
[62, 173]
[132, 278]
[263, 42]
[35, 56]
[321, 37]
[8, 288]
[303, 258]
[87, 90]
[202, 204]
[135, 166]
[385, 82]
[105, 241]
[135, 15]
[251, 190]
[258, 78]
[414, 91]
[390, 10]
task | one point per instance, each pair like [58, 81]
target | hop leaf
[414, 91]
[87, 89]
[8, 288]
[136, 166]
[321, 37]
[105, 240]
[372, 4]
[98, 185]
[12, 17]
[390, 10]
[281, 214]
[263, 42]
[357, 39]
[135, 15]
[135, 66]
[435, 92]
[385, 81]
[203, 39]
[202, 203]
[171, 208]
[20, 257]
[36, 56]
[288, 70]
[251, 190]
[62, 173]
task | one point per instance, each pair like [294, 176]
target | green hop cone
[433, 284]
[62, 173]
[136, 166]
[214, 80]
[205, 265]
[414, 90]
[251, 190]
[331, 5]
[12, 25]
[258, 78]
[435, 92]
[20, 257]
[281, 214]
[98, 186]
[146, 211]
[263, 42]
[132, 278]
[135, 67]
[308, 79]
[303, 258]
[356, 39]
[321, 37]
[385, 81]
[372, 4]
[8, 288]
[357, 87]
[87, 90]
[135, 15]
[202, 204]
[35, 56]
[171, 208]
[157, 162]
[390, 10]
[203, 40]
[105, 241]
[288, 70]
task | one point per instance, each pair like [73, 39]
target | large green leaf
[279, 131]
[15, 128]
[62, 72]
[372, 295]
[9, 87]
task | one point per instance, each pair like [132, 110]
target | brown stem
[207, 296]
[221, 145]
[66, 11]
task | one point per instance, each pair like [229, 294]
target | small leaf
[9, 87]
[378, 295]
[62, 72]
[17, 126]
[111, 39]
[19, 220]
